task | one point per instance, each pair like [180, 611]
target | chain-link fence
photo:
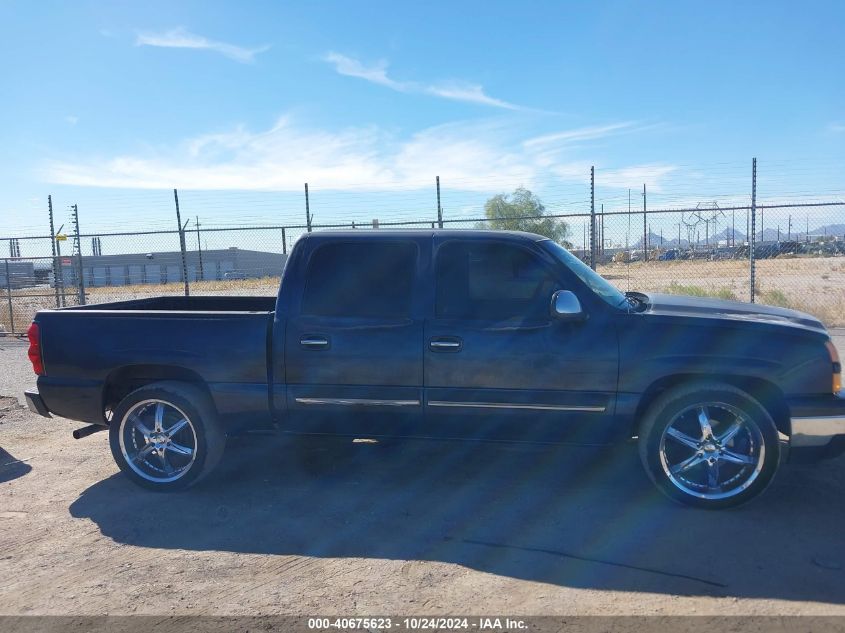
[784, 254]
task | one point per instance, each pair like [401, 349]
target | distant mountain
[728, 235]
[653, 241]
[829, 229]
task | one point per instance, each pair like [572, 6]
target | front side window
[609, 293]
[492, 281]
[363, 280]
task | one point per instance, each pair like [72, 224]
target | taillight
[837, 366]
[34, 336]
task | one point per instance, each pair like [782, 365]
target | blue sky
[111, 105]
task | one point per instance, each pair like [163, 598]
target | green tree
[523, 211]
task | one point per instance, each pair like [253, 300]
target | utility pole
[77, 245]
[645, 230]
[182, 247]
[789, 233]
[593, 218]
[679, 235]
[753, 223]
[199, 250]
[439, 209]
[307, 209]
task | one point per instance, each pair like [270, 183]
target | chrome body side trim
[359, 402]
[508, 405]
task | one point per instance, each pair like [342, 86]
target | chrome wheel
[158, 441]
[712, 451]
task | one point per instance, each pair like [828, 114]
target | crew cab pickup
[449, 334]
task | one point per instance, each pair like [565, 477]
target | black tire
[202, 435]
[689, 480]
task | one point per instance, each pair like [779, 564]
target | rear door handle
[445, 344]
[314, 342]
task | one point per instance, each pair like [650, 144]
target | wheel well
[125, 380]
[767, 393]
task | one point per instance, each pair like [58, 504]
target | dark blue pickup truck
[449, 334]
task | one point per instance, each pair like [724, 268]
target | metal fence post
[201, 275]
[645, 227]
[78, 247]
[593, 217]
[284, 242]
[60, 282]
[751, 239]
[182, 244]
[308, 215]
[9, 295]
[439, 209]
[601, 232]
[53, 248]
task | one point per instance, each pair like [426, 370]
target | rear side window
[366, 279]
[488, 281]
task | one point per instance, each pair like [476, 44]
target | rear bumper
[36, 403]
[817, 428]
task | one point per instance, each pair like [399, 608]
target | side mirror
[566, 307]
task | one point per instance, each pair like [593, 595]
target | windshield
[598, 284]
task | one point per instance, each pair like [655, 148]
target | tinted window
[598, 284]
[366, 279]
[492, 282]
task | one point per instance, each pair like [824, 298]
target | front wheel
[709, 445]
[165, 436]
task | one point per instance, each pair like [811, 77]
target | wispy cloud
[181, 38]
[71, 119]
[836, 128]
[486, 155]
[471, 93]
[377, 74]
[579, 134]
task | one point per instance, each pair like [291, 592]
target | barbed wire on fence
[694, 242]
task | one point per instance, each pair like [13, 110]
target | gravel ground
[421, 528]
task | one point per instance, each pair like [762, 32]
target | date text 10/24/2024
[421, 623]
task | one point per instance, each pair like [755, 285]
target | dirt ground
[421, 528]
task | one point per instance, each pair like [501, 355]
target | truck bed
[221, 342]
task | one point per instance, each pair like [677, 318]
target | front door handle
[314, 342]
[445, 344]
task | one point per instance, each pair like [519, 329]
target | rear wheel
[165, 436]
[709, 445]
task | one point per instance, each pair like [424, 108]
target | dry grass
[813, 285]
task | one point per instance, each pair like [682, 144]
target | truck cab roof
[371, 234]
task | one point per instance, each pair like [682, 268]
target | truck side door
[498, 365]
[353, 341]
